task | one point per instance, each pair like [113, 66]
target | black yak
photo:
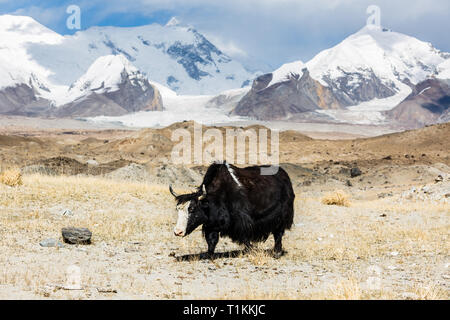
[238, 203]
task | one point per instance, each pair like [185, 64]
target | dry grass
[430, 292]
[11, 177]
[329, 249]
[337, 198]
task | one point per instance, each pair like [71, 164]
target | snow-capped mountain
[111, 86]
[174, 55]
[375, 63]
[370, 65]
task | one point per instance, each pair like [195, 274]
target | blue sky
[272, 31]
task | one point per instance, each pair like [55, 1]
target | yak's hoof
[206, 255]
[278, 254]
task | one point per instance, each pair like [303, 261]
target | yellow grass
[337, 198]
[11, 177]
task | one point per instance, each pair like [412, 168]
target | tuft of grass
[347, 289]
[337, 198]
[11, 177]
[430, 292]
[260, 257]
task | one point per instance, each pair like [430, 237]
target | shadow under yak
[221, 255]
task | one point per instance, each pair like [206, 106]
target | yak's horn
[203, 194]
[172, 192]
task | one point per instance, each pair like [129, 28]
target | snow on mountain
[111, 86]
[177, 109]
[375, 53]
[16, 66]
[105, 75]
[174, 55]
[444, 70]
[283, 73]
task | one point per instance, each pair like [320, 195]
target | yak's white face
[183, 215]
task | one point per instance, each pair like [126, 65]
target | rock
[349, 183]
[76, 235]
[48, 243]
[387, 158]
[92, 162]
[385, 194]
[106, 290]
[439, 178]
[355, 172]
[67, 212]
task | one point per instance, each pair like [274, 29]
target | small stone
[92, 162]
[349, 183]
[67, 212]
[355, 172]
[439, 178]
[48, 243]
[394, 253]
[76, 235]
[106, 290]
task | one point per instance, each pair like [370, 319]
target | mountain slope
[112, 86]
[275, 98]
[429, 103]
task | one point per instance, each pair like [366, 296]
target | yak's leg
[278, 248]
[212, 238]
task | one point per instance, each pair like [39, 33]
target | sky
[266, 32]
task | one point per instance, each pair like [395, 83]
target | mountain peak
[173, 22]
[287, 69]
[106, 74]
[18, 29]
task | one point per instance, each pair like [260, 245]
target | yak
[238, 203]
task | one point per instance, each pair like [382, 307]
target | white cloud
[226, 46]
[279, 31]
